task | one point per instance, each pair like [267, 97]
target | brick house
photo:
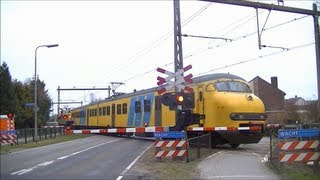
[272, 97]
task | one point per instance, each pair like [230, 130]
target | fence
[27, 135]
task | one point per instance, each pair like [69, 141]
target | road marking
[45, 163]
[63, 157]
[133, 162]
[23, 171]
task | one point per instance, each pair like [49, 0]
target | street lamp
[35, 88]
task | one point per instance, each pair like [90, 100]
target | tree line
[15, 94]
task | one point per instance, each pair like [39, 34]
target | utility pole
[178, 58]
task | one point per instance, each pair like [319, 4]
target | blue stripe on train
[147, 115]
[138, 119]
[82, 121]
[139, 114]
[131, 111]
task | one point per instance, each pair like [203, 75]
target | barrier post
[39, 133]
[210, 142]
[18, 137]
[45, 133]
[25, 136]
[198, 147]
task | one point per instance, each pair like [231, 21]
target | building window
[108, 110]
[118, 108]
[137, 106]
[147, 105]
[124, 108]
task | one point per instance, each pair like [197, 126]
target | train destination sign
[169, 135]
[296, 133]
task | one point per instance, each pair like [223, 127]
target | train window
[95, 112]
[236, 86]
[104, 111]
[124, 108]
[222, 86]
[108, 110]
[146, 105]
[137, 106]
[100, 111]
[210, 87]
[118, 108]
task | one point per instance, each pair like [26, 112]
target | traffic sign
[179, 82]
[296, 133]
[29, 104]
[169, 135]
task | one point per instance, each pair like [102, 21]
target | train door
[113, 115]
[87, 117]
[200, 103]
[158, 111]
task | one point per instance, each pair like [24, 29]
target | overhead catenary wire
[225, 43]
[258, 57]
[158, 42]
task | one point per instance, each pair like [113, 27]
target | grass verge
[5, 149]
[148, 167]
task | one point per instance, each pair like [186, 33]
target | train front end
[229, 104]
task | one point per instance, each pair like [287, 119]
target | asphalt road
[245, 162]
[95, 157]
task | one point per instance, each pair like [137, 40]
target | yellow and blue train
[224, 99]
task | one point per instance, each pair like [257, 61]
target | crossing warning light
[186, 100]
[10, 116]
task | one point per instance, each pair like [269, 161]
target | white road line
[23, 171]
[63, 157]
[130, 165]
[46, 163]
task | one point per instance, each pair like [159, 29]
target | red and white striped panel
[167, 144]
[172, 153]
[8, 138]
[297, 145]
[119, 130]
[297, 157]
[252, 128]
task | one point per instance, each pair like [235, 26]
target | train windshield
[232, 86]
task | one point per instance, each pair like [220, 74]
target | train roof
[199, 79]
[210, 77]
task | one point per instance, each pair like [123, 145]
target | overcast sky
[110, 41]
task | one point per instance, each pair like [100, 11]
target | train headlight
[248, 116]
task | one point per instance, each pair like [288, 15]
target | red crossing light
[10, 116]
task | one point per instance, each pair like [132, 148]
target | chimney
[274, 82]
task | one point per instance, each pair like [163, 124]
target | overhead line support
[266, 6]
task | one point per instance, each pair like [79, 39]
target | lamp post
[35, 89]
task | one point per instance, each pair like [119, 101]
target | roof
[260, 79]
